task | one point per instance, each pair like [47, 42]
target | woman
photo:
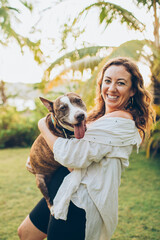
[89, 194]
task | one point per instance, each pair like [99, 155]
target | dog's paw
[52, 210]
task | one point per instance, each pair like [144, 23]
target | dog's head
[70, 111]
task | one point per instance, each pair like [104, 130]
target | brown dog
[66, 119]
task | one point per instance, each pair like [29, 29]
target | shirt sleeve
[74, 153]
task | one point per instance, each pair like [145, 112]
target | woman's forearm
[48, 136]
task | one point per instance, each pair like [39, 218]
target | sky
[15, 67]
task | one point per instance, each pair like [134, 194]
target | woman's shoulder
[119, 119]
[121, 114]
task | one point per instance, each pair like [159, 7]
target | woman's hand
[42, 123]
[48, 136]
[70, 169]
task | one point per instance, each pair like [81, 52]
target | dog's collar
[52, 118]
[64, 127]
[69, 128]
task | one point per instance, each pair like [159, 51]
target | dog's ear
[48, 104]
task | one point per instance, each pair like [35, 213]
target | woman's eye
[107, 81]
[121, 83]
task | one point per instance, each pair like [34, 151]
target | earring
[130, 105]
[131, 101]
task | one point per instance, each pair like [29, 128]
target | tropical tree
[8, 15]
[108, 12]
[155, 47]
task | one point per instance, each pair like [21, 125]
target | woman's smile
[112, 97]
[116, 88]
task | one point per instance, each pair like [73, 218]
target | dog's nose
[80, 117]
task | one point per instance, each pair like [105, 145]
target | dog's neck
[65, 128]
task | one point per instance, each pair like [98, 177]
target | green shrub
[153, 146]
[17, 128]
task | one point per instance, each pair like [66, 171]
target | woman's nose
[112, 87]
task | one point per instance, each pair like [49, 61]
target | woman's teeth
[112, 97]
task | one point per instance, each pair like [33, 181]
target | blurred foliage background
[78, 70]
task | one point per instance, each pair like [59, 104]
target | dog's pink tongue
[79, 130]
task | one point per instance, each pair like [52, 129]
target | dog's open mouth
[79, 129]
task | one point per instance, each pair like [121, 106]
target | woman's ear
[133, 92]
[48, 104]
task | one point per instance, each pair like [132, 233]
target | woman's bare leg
[27, 231]
[40, 214]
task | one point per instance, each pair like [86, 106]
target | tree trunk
[156, 90]
[156, 25]
[2, 93]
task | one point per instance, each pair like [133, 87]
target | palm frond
[85, 63]
[76, 55]
[79, 65]
[14, 9]
[154, 60]
[23, 41]
[87, 90]
[6, 14]
[131, 49]
[154, 49]
[110, 11]
[72, 56]
[27, 5]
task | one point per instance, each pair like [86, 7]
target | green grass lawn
[139, 196]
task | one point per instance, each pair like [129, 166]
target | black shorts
[73, 228]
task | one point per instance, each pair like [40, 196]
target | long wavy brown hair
[139, 105]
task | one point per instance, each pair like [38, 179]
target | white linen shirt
[98, 160]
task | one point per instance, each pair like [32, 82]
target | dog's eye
[63, 107]
[77, 100]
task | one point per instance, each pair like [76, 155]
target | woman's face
[116, 88]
